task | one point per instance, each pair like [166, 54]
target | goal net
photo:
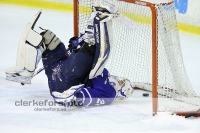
[149, 54]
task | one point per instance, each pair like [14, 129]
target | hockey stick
[39, 71]
[193, 114]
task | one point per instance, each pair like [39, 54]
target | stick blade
[188, 114]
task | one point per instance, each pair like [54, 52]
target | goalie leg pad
[29, 53]
[103, 41]
[34, 50]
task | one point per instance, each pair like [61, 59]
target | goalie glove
[68, 97]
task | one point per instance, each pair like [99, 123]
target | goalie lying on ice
[77, 73]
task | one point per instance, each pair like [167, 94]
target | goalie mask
[123, 87]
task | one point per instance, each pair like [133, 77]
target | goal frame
[152, 6]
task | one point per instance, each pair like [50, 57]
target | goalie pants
[64, 72]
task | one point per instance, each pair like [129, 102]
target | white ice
[132, 115]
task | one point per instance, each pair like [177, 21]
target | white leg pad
[104, 41]
[29, 53]
[27, 58]
[33, 41]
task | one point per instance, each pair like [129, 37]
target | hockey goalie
[75, 74]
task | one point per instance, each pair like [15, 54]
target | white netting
[131, 56]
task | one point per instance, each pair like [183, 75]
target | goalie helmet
[123, 87]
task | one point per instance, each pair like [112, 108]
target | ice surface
[132, 115]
